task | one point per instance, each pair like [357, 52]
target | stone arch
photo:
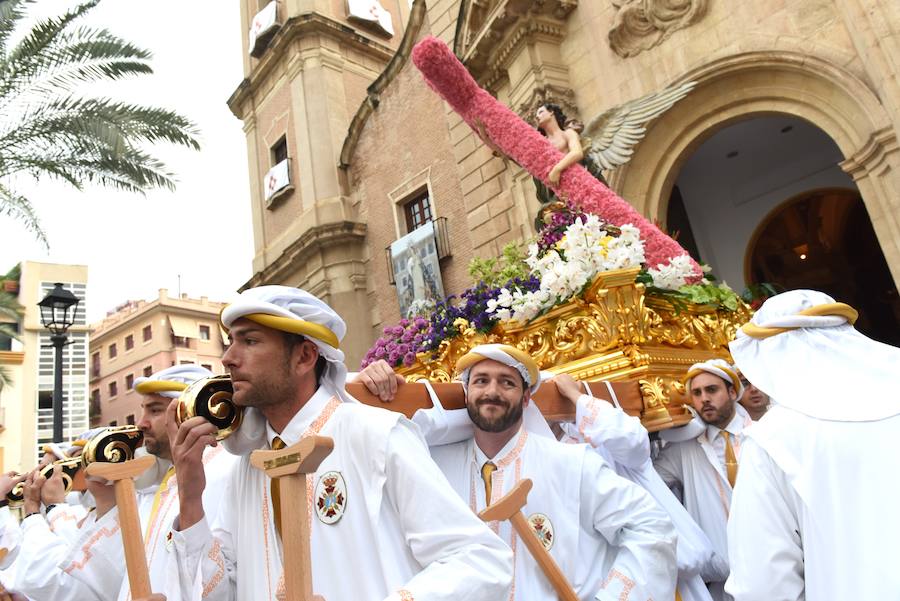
[753, 84]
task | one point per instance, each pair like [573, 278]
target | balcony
[277, 182]
[263, 28]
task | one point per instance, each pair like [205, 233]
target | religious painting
[417, 270]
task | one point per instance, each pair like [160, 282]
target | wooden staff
[123, 474]
[509, 508]
[291, 465]
[413, 396]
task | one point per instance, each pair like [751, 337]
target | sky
[134, 245]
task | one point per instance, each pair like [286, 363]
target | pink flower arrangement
[526, 146]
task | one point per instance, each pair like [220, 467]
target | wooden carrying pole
[413, 396]
[122, 475]
[509, 508]
[290, 466]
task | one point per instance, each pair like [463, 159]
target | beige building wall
[164, 332]
[26, 427]
[832, 63]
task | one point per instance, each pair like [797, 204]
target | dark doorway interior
[823, 240]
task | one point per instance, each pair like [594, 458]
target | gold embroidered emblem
[542, 528]
[331, 497]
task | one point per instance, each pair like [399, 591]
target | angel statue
[608, 141]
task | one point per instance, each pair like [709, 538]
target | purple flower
[409, 359]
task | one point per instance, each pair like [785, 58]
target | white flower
[674, 275]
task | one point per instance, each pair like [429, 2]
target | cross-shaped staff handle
[122, 475]
[291, 466]
[510, 508]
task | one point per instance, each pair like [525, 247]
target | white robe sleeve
[622, 436]
[764, 545]
[64, 519]
[460, 557]
[630, 521]
[669, 469]
[200, 552]
[38, 574]
[97, 557]
[10, 538]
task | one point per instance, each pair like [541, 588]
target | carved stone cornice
[484, 45]
[642, 24]
[313, 240]
[872, 154]
[310, 24]
[564, 97]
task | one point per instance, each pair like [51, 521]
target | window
[417, 211]
[279, 151]
[95, 396]
[181, 341]
[112, 351]
[129, 381]
[206, 366]
[113, 389]
[185, 362]
[204, 332]
[129, 342]
[95, 365]
[148, 371]
[148, 333]
[45, 399]
[113, 423]
[130, 419]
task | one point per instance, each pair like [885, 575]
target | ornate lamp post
[57, 315]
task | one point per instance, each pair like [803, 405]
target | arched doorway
[764, 200]
[823, 240]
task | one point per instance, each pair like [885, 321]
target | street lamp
[57, 315]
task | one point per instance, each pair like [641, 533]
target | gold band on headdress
[473, 357]
[735, 380]
[296, 326]
[153, 386]
[827, 310]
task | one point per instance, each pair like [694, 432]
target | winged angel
[609, 139]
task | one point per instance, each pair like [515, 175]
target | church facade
[781, 164]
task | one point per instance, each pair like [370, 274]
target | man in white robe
[624, 443]
[702, 469]
[812, 514]
[609, 537]
[97, 558]
[397, 531]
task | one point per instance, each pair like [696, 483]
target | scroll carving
[642, 24]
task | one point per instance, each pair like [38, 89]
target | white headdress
[716, 367]
[170, 382]
[801, 349]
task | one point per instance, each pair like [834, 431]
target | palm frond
[48, 131]
[11, 13]
[19, 208]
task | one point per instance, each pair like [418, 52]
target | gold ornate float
[615, 331]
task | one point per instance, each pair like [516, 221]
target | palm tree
[48, 129]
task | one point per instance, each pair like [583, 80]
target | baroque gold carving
[613, 331]
[642, 24]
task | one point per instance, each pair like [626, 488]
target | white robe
[44, 543]
[98, 560]
[623, 442]
[403, 533]
[812, 515]
[695, 471]
[10, 542]
[610, 538]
